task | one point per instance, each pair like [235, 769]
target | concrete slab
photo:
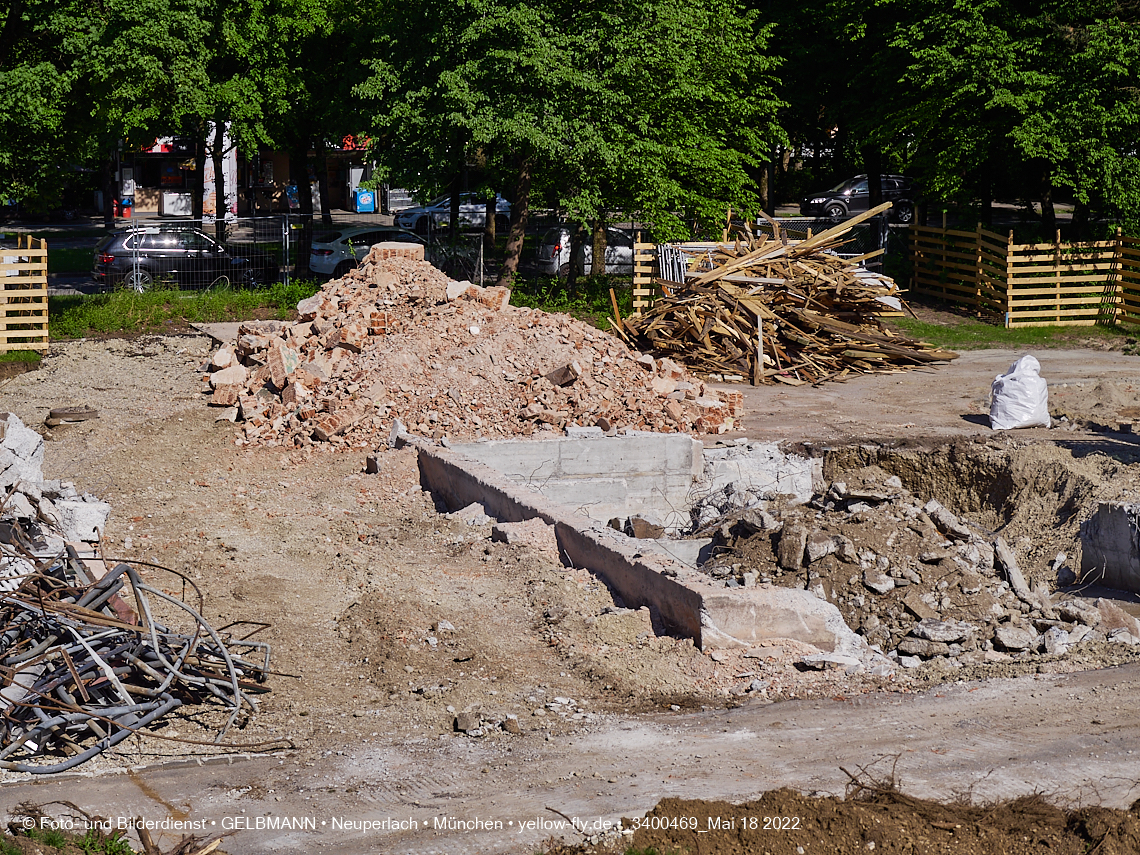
[603, 477]
[1110, 547]
[221, 332]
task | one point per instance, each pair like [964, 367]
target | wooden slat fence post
[644, 257]
[24, 296]
[1009, 279]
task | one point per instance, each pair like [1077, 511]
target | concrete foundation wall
[1110, 547]
[687, 602]
[605, 477]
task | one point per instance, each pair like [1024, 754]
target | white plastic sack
[1020, 397]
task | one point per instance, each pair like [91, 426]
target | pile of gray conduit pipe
[84, 664]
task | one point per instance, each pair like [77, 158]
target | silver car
[436, 214]
[554, 253]
[335, 253]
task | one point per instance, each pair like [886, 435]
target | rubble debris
[936, 587]
[395, 339]
[769, 309]
[82, 673]
[80, 669]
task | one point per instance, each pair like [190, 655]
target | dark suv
[183, 256]
[852, 196]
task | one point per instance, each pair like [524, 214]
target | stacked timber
[769, 309]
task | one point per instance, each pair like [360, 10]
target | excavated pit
[901, 539]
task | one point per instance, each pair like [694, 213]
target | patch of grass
[973, 335]
[7, 847]
[94, 843]
[128, 312]
[54, 838]
[30, 356]
[590, 301]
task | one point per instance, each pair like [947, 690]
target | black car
[853, 195]
[182, 256]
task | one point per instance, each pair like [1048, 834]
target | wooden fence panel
[966, 268]
[1030, 284]
[644, 264]
[1062, 284]
[1130, 280]
[24, 296]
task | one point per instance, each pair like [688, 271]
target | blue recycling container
[364, 201]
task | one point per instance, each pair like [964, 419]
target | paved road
[1066, 735]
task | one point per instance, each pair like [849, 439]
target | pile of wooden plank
[768, 309]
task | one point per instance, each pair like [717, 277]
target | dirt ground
[388, 620]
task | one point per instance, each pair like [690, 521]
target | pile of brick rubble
[397, 339]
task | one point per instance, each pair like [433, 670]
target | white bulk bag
[1020, 397]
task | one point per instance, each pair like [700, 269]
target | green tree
[654, 107]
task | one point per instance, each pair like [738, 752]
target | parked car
[852, 197]
[137, 258]
[335, 253]
[436, 214]
[554, 253]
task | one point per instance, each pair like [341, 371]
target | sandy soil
[355, 574]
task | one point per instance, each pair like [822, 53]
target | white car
[335, 253]
[436, 214]
[554, 253]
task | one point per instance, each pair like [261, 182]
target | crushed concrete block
[21, 456]
[945, 521]
[1079, 611]
[947, 631]
[646, 526]
[923, 647]
[20, 507]
[533, 533]
[473, 514]
[1013, 575]
[793, 543]
[877, 580]
[747, 617]
[465, 722]
[577, 432]
[1113, 617]
[917, 606]
[830, 662]
[1057, 641]
[760, 521]
[223, 357]
[1014, 637]
[82, 519]
[820, 545]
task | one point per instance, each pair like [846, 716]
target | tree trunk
[110, 190]
[520, 211]
[489, 214]
[299, 173]
[1080, 227]
[770, 187]
[323, 182]
[577, 250]
[199, 189]
[1048, 213]
[220, 208]
[873, 166]
[598, 247]
[453, 211]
